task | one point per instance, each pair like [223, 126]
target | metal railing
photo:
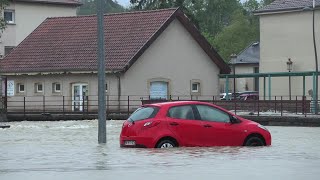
[125, 105]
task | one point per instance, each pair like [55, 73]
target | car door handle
[174, 124]
[207, 126]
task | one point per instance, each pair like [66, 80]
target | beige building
[23, 16]
[246, 62]
[286, 31]
[149, 54]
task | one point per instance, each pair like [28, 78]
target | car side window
[208, 113]
[181, 112]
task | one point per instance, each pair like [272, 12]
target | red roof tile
[70, 44]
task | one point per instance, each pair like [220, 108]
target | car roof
[175, 103]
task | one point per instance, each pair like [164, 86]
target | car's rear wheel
[254, 141]
[166, 144]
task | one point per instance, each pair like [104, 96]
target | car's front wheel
[254, 141]
[166, 144]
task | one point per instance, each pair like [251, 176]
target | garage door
[158, 90]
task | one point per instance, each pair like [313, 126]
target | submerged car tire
[166, 144]
[254, 141]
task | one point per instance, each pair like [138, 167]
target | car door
[183, 124]
[219, 131]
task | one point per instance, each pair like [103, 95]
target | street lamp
[289, 68]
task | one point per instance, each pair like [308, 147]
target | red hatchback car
[190, 123]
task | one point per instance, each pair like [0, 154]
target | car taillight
[150, 124]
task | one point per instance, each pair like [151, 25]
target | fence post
[44, 104]
[87, 98]
[63, 107]
[281, 105]
[235, 106]
[212, 99]
[258, 107]
[128, 105]
[83, 110]
[178, 98]
[108, 105]
[24, 107]
[296, 104]
[275, 104]
[304, 106]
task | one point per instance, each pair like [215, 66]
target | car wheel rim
[166, 145]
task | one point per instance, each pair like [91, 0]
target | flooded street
[67, 150]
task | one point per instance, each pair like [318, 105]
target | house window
[38, 88]
[9, 16]
[195, 87]
[56, 87]
[8, 49]
[20, 88]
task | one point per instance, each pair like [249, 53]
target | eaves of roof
[58, 2]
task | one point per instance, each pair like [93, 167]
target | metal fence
[125, 105]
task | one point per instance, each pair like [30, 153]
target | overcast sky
[127, 2]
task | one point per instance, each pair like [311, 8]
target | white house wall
[243, 83]
[54, 100]
[177, 57]
[283, 36]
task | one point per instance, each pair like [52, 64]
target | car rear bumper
[141, 142]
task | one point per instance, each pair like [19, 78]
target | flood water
[68, 150]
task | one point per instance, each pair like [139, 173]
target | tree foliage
[228, 25]
[89, 7]
[3, 4]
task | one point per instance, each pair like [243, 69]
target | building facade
[155, 54]
[286, 32]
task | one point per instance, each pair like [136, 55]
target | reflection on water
[69, 150]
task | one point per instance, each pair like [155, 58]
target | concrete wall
[176, 57]
[29, 16]
[244, 84]
[283, 36]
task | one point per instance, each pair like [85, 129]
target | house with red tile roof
[23, 16]
[157, 53]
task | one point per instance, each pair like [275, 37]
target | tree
[162, 4]
[3, 4]
[267, 2]
[89, 7]
[235, 37]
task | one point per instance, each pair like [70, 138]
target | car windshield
[143, 113]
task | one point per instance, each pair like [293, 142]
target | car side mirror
[234, 120]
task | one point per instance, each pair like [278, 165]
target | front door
[79, 96]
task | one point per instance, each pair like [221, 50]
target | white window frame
[37, 88]
[55, 87]
[198, 87]
[19, 87]
[13, 16]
